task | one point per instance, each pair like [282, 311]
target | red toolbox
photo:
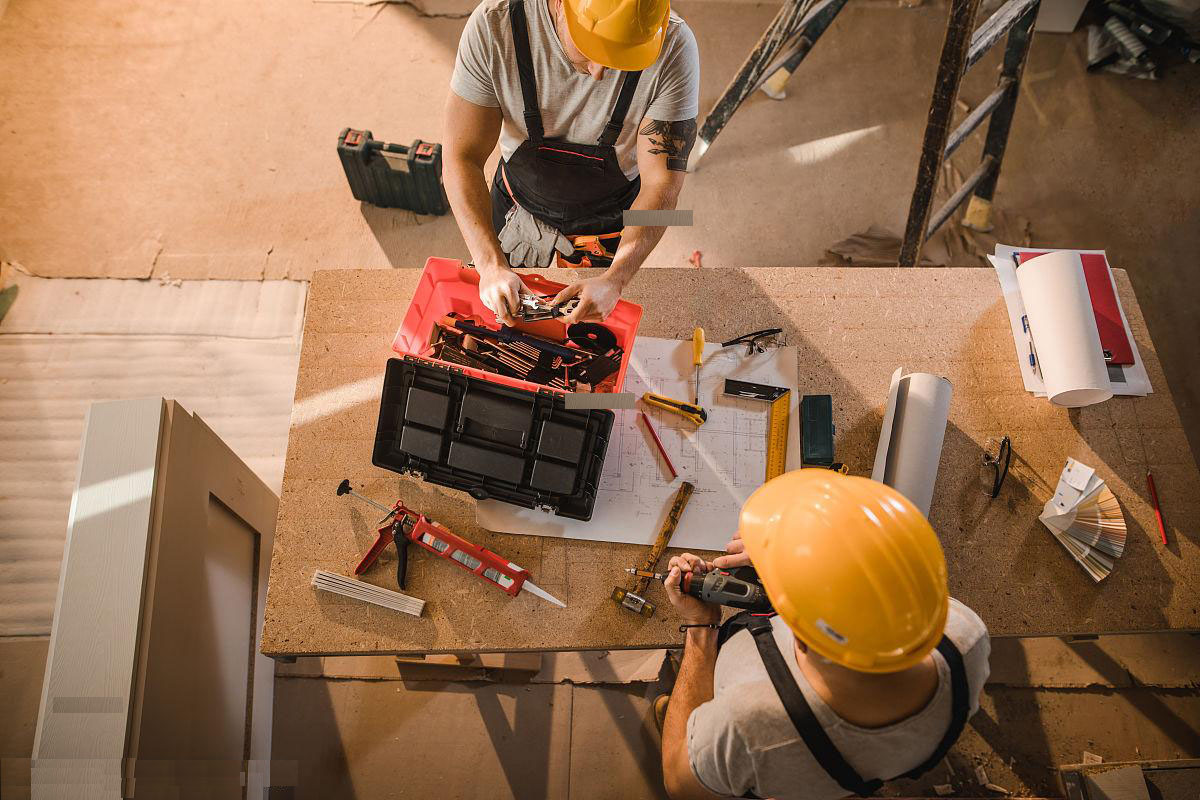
[491, 435]
[447, 286]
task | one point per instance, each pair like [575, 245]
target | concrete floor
[184, 147]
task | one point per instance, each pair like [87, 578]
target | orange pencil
[1162, 525]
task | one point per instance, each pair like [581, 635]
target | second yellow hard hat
[621, 34]
[852, 567]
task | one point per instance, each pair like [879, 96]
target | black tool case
[490, 440]
[392, 175]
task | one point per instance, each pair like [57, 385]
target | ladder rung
[996, 26]
[985, 168]
[977, 116]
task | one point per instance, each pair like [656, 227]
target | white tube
[1063, 326]
[910, 443]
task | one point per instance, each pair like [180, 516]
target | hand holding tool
[692, 413]
[408, 525]
[697, 357]
[736, 588]
[634, 599]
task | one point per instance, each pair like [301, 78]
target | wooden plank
[90, 670]
[852, 328]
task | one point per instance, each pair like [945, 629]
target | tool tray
[490, 440]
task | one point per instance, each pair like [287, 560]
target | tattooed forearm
[674, 139]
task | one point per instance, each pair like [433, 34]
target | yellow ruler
[777, 435]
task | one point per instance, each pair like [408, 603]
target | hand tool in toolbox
[634, 599]
[402, 524]
[534, 309]
[737, 588]
[816, 432]
[697, 357]
[392, 175]
[511, 352]
[692, 413]
[777, 423]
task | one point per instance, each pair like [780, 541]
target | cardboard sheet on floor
[725, 457]
[228, 350]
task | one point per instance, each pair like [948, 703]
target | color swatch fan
[1086, 519]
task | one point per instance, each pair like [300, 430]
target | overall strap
[801, 714]
[533, 117]
[960, 707]
[612, 129]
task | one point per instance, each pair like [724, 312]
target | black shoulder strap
[960, 707]
[612, 128]
[801, 714]
[533, 116]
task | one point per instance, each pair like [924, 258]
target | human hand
[500, 290]
[597, 298]
[736, 554]
[690, 610]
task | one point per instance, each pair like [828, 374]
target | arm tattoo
[674, 139]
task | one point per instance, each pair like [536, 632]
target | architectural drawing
[725, 457]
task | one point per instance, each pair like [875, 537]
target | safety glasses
[997, 455]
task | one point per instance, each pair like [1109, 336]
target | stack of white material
[1085, 517]
[367, 592]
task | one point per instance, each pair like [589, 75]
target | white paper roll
[1063, 326]
[910, 443]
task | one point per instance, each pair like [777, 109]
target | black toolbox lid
[490, 440]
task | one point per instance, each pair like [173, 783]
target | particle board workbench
[852, 327]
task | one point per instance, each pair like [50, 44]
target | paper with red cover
[1113, 338]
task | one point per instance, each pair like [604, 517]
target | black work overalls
[809, 727]
[577, 188]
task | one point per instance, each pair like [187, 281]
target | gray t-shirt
[742, 740]
[574, 106]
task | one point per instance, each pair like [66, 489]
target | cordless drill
[737, 588]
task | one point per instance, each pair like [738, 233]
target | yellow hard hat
[852, 567]
[621, 34]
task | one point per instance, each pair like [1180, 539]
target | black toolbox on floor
[392, 175]
[490, 440]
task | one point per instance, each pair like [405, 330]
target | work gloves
[529, 242]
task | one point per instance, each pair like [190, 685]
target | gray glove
[529, 242]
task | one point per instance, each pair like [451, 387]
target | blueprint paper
[725, 457]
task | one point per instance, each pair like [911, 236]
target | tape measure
[777, 435]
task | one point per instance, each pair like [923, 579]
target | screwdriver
[697, 357]
[717, 586]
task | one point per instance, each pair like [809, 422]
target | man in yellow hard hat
[594, 103]
[868, 672]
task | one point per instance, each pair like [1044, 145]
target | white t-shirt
[574, 107]
[743, 740]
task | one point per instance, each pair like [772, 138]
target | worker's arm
[694, 684]
[470, 136]
[662, 155]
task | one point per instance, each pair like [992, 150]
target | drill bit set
[584, 362]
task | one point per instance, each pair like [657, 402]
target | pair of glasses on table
[757, 342]
[997, 455]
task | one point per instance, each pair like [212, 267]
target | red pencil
[658, 443]
[1162, 525]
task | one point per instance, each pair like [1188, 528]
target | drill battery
[392, 175]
